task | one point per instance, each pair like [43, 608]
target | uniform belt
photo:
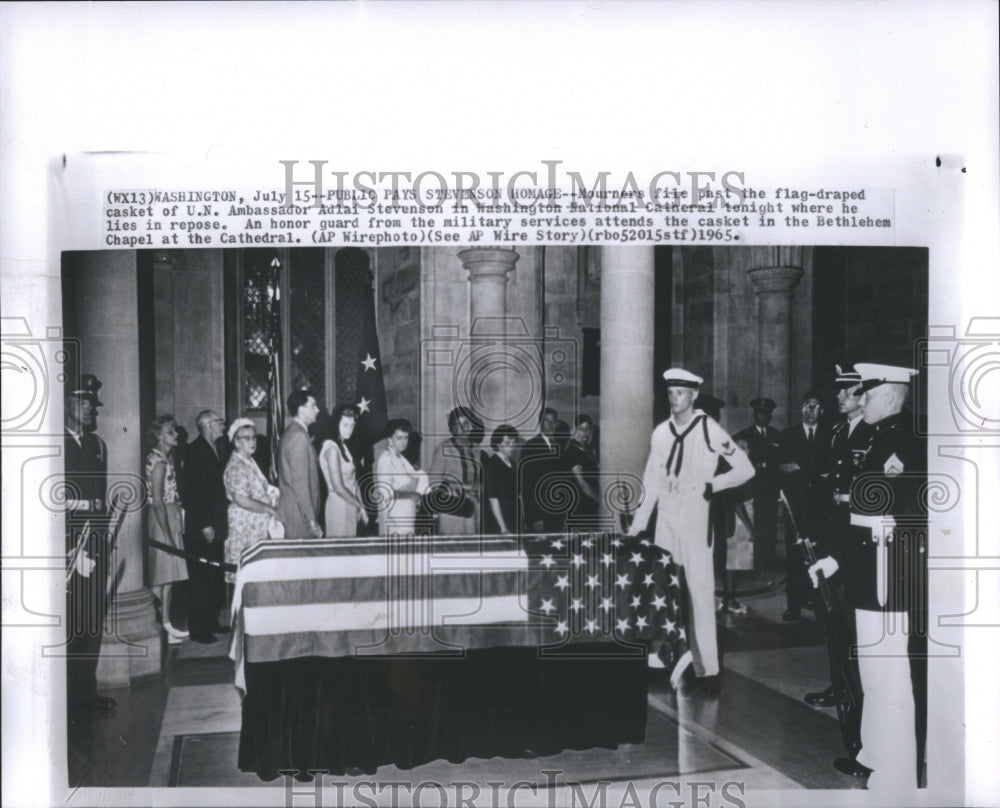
[842, 499]
[881, 528]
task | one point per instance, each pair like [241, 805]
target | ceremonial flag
[348, 598]
[275, 405]
[370, 387]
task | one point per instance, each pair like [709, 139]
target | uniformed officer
[86, 469]
[884, 563]
[763, 445]
[680, 478]
[849, 445]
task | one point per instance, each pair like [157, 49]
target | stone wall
[397, 289]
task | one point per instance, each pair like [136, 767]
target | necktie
[809, 436]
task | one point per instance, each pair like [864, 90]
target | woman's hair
[333, 425]
[583, 418]
[501, 432]
[156, 427]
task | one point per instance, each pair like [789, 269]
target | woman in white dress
[166, 519]
[344, 508]
[399, 485]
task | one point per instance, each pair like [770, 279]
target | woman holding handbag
[252, 500]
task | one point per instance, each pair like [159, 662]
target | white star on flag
[577, 560]
[561, 628]
[547, 606]
[622, 581]
[576, 604]
[587, 543]
[646, 543]
[547, 561]
[659, 602]
[606, 604]
[636, 559]
[640, 622]
[364, 405]
[675, 581]
[623, 626]
[592, 581]
[557, 544]
[591, 626]
[663, 560]
[670, 626]
[368, 362]
[682, 634]
[648, 580]
[563, 582]
[606, 559]
[636, 602]
[616, 542]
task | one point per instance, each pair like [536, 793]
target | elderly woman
[344, 508]
[502, 514]
[400, 486]
[166, 523]
[252, 500]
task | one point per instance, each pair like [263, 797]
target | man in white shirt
[680, 479]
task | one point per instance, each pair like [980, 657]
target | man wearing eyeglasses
[206, 523]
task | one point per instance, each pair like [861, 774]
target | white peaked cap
[874, 375]
[678, 377]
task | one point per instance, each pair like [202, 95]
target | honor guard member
[848, 446]
[763, 444]
[86, 469]
[884, 563]
[680, 478]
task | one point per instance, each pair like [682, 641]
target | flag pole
[275, 415]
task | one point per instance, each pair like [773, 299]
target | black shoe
[710, 685]
[846, 765]
[204, 639]
[791, 615]
[825, 698]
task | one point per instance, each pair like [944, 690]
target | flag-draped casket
[355, 653]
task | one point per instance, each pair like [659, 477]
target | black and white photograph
[499, 404]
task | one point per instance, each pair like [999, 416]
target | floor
[182, 729]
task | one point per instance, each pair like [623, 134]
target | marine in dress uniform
[763, 447]
[681, 476]
[86, 469]
[884, 567]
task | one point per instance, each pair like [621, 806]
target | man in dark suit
[805, 452]
[298, 470]
[86, 468]
[538, 463]
[206, 523]
[763, 443]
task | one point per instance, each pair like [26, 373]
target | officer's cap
[678, 377]
[847, 376]
[90, 385]
[875, 375]
[766, 404]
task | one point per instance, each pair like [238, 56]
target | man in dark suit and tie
[805, 452]
[763, 443]
[539, 461]
[298, 470]
[206, 523]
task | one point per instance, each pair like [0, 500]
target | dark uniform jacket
[86, 480]
[538, 462]
[888, 521]
[847, 452]
[764, 452]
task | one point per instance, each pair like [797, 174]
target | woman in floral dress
[252, 500]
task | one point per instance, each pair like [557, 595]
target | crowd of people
[712, 500]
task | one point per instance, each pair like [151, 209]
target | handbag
[275, 529]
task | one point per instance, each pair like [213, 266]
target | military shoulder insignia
[728, 448]
[893, 466]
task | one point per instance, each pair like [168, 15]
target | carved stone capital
[768, 280]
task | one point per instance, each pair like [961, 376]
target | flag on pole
[370, 387]
[275, 406]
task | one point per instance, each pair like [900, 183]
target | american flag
[412, 595]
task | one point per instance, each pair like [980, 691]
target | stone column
[627, 285]
[494, 378]
[108, 307]
[775, 274]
